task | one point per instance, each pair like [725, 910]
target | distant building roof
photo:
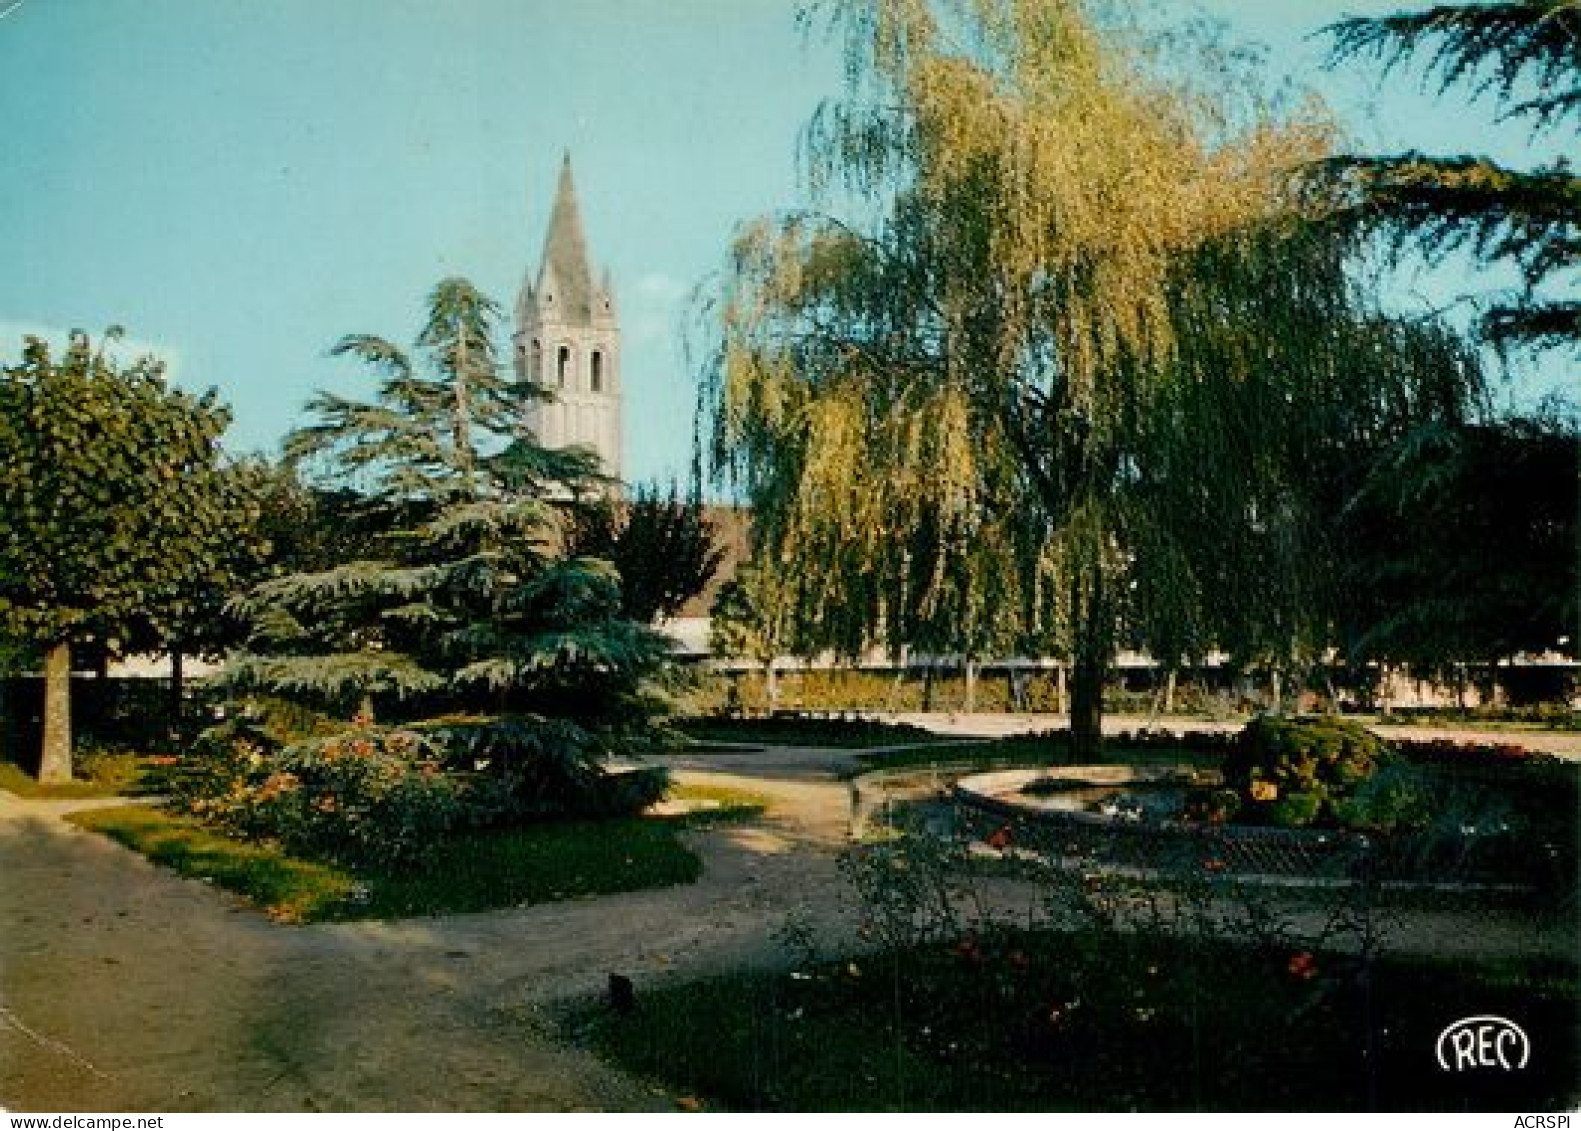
[733, 532]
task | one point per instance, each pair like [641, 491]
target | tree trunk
[1089, 661]
[1061, 692]
[771, 686]
[1086, 709]
[1169, 692]
[177, 690]
[54, 764]
[971, 687]
[897, 688]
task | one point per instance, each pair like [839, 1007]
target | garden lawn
[479, 871]
[105, 775]
[844, 734]
[1030, 750]
[1094, 1022]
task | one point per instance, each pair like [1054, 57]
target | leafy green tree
[662, 546]
[193, 618]
[744, 621]
[1525, 56]
[114, 500]
[1075, 380]
[462, 611]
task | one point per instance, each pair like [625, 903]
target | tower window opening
[596, 371]
[535, 361]
[562, 366]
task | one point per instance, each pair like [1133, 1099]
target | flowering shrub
[368, 795]
[1297, 772]
[390, 795]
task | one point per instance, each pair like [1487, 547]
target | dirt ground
[126, 988]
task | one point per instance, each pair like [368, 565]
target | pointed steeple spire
[565, 280]
[567, 339]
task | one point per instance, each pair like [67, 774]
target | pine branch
[514, 661]
[1498, 48]
[489, 520]
[565, 592]
[376, 351]
[334, 676]
[524, 739]
[336, 586]
[1534, 326]
[1445, 204]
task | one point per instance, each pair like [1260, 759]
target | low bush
[1294, 772]
[97, 771]
[367, 795]
[116, 771]
[529, 768]
[788, 728]
[394, 795]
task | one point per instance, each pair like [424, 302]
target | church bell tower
[567, 339]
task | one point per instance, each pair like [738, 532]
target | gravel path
[125, 987]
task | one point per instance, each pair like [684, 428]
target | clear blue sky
[241, 182]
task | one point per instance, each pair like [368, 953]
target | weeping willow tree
[1070, 381]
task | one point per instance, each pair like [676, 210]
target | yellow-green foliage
[1048, 180]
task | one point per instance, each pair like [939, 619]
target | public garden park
[1053, 750]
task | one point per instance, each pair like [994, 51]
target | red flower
[1303, 966]
[999, 839]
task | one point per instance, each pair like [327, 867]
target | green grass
[98, 775]
[1536, 718]
[844, 734]
[706, 747]
[297, 891]
[1093, 1022]
[1019, 751]
[730, 804]
[480, 871]
[515, 867]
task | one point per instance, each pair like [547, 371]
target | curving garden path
[124, 987]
